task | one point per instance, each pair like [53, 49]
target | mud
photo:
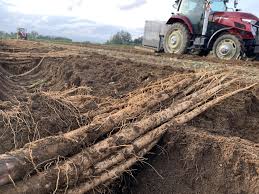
[48, 89]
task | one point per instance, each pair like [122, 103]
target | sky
[93, 20]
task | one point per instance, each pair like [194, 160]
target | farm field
[109, 119]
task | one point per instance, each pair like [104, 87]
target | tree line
[120, 38]
[124, 38]
[33, 35]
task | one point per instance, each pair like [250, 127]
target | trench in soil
[217, 152]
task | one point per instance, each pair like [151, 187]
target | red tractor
[201, 26]
[22, 34]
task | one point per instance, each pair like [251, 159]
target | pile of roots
[109, 138]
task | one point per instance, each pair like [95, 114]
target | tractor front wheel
[177, 39]
[228, 47]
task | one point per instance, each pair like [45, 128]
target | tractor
[22, 34]
[205, 26]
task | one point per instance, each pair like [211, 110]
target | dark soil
[238, 117]
[197, 161]
[33, 114]
[105, 76]
[217, 153]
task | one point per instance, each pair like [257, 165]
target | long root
[117, 134]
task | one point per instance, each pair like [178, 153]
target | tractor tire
[177, 39]
[228, 47]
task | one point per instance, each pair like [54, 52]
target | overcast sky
[95, 20]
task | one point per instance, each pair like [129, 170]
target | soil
[197, 161]
[215, 153]
[48, 89]
[97, 76]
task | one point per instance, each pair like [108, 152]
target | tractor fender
[181, 19]
[216, 34]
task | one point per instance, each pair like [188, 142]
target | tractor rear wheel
[177, 39]
[228, 47]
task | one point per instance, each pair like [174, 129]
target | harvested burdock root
[104, 159]
[36, 153]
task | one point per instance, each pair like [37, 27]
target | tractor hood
[241, 15]
[237, 21]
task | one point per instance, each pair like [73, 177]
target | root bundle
[119, 134]
[73, 119]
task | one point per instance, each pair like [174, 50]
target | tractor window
[194, 11]
[218, 5]
[192, 6]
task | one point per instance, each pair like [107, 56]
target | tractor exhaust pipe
[206, 18]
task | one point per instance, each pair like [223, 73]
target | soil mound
[197, 161]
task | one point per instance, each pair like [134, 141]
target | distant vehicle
[201, 26]
[22, 34]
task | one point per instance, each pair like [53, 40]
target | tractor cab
[203, 26]
[195, 10]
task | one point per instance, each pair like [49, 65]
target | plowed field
[51, 89]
